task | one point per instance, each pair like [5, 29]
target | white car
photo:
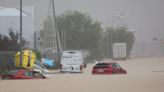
[39, 67]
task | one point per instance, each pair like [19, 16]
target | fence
[6, 61]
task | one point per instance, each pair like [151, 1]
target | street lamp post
[111, 34]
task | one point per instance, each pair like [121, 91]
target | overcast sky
[145, 17]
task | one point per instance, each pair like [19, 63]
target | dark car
[108, 68]
[23, 74]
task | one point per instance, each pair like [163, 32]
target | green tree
[38, 54]
[11, 42]
[81, 32]
[118, 35]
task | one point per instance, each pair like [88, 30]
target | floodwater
[143, 75]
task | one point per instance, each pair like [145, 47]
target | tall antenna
[51, 40]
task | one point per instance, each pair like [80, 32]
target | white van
[72, 61]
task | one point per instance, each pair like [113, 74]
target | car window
[114, 65]
[28, 73]
[118, 66]
[102, 65]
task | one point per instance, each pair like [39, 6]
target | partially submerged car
[108, 68]
[38, 66]
[23, 74]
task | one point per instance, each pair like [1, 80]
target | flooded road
[143, 75]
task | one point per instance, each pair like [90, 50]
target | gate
[6, 61]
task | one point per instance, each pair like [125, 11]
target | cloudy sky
[145, 17]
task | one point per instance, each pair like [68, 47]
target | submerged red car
[108, 68]
[23, 74]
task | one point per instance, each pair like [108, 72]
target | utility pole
[57, 34]
[20, 33]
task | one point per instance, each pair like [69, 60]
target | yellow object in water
[28, 59]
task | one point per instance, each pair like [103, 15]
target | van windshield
[71, 60]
